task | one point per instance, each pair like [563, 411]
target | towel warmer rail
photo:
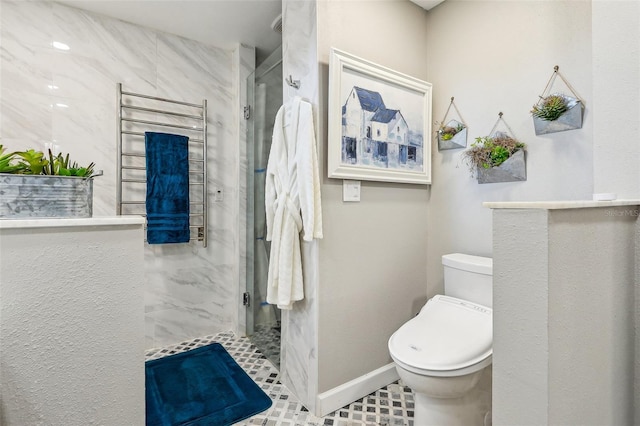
[189, 118]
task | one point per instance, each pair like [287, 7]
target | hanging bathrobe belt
[284, 201]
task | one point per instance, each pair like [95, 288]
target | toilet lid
[447, 334]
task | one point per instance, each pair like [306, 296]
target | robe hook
[293, 83]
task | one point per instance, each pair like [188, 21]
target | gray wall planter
[570, 120]
[514, 169]
[24, 196]
[459, 140]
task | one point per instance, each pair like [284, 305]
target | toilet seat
[449, 337]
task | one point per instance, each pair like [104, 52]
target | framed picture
[379, 122]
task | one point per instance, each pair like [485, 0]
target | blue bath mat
[204, 386]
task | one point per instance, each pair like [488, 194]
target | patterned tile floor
[389, 406]
[266, 337]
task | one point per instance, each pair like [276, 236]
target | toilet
[444, 353]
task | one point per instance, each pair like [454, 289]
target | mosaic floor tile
[267, 339]
[389, 406]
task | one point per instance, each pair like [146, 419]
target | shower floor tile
[267, 339]
[389, 406]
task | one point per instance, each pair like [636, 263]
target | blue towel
[167, 188]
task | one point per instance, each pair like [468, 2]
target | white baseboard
[355, 389]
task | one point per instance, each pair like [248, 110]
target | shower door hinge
[247, 112]
[246, 300]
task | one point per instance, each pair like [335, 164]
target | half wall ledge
[566, 277]
[558, 205]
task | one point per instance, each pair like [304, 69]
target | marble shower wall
[69, 97]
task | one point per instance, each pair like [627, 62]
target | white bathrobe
[292, 200]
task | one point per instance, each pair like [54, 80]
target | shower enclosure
[264, 98]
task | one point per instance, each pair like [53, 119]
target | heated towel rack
[139, 113]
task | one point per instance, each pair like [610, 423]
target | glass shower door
[264, 92]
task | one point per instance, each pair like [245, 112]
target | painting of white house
[382, 124]
[379, 122]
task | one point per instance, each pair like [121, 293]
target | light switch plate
[351, 190]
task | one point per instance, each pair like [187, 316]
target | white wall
[497, 56]
[72, 329]
[190, 291]
[616, 90]
[372, 258]
[616, 94]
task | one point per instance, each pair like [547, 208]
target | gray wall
[497, 56]
[490, 64]
[372, 257]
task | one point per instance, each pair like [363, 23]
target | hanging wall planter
[497, 158]
[557, 112]
[453, 134]
[513, 169]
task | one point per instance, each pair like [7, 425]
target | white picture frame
[379, 122]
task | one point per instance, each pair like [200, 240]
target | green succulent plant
[63, 167]
[6, 160]
[446, 132]
[499, 154]
[551, 108]
[33, 162]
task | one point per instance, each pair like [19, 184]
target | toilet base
[471, 409]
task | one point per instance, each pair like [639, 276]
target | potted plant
[452, 135]
[32, 185]
[497, 158]
[556, 113]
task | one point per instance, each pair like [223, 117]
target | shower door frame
[272, 62]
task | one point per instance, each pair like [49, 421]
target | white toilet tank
[469, 278]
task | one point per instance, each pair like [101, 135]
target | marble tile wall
[69, 97]
[299, 357]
